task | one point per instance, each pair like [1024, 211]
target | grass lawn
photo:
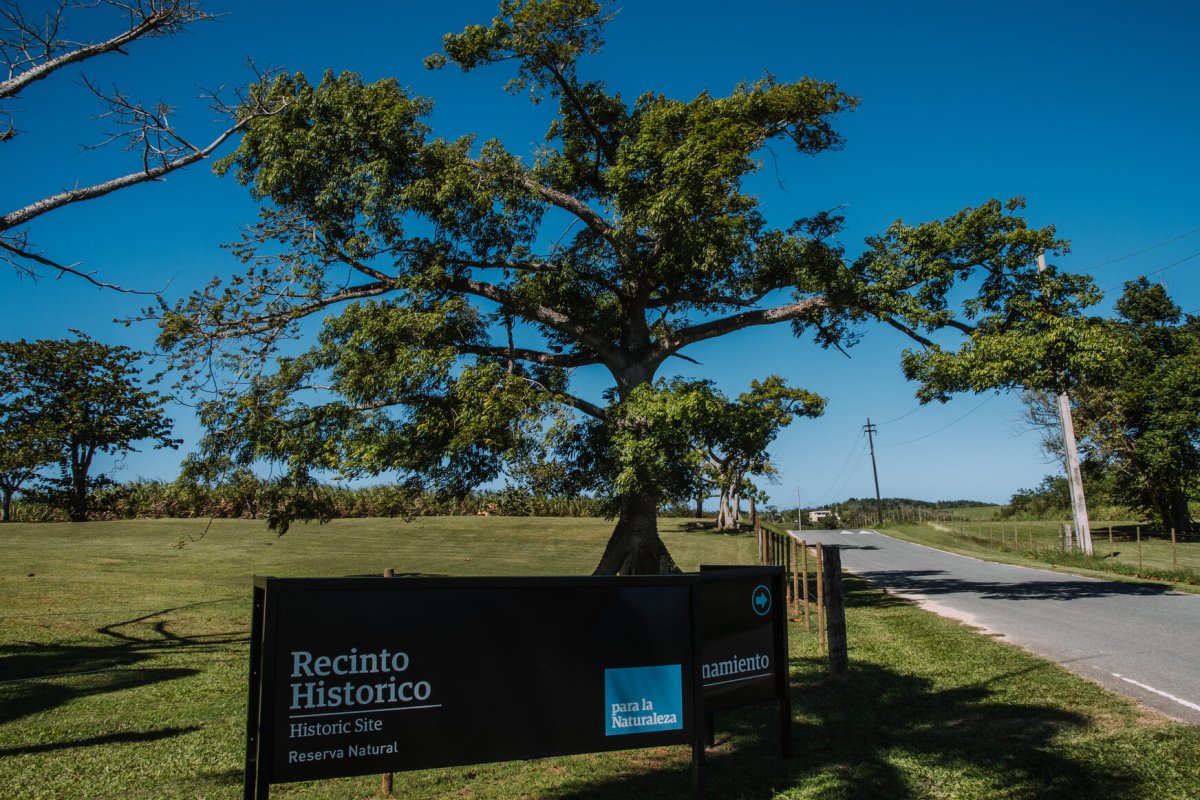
[123, 676]
[1036, 543]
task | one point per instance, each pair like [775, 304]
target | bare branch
[34, 52]
[909, 332]
[32, 49]
[16, 255]
[591, 409]
[47, 204]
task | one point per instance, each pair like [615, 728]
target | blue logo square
[643, 699]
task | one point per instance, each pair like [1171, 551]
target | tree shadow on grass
[884, 734]
[93, 741]
[938, 582]
[37, 677]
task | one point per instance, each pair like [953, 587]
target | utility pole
[799, 522]
[1083, 530]
[870, 429]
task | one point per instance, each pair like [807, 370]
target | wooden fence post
[804, 562]
[795, 587]
[820, 602]
[835, 613]
[1174, 554]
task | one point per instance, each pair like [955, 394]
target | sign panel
[370, 675]
[353, 676]
[740, 613]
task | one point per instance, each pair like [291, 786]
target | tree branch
[150, 18]
[45, 205]
[549, 317]
[589, 408]
[561, 200]
[909, 332]
[719, 327]
[572, 97]
[252, 326]
[564, 360]
[18, 252]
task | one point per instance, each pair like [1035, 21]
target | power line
[1145, 250]
[830, 491]
[989, 399]
[902, 416]
[1159, 271]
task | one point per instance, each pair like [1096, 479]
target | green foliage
[1137, 417]
[1051, 499]
[1023, 328]
[25, 448]
[480, 278]
[69, 400]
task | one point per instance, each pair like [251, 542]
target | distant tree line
[276, 500]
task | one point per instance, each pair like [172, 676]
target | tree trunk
[6, 514]
[1175, 513]
[634, 547]
[725, 520]
[700, 505]
[78, 502]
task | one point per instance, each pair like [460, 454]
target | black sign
[741, 617]
[356, 676]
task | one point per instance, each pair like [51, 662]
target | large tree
[38, 43]
[461, 284]
[1138, 418]
[77, 398]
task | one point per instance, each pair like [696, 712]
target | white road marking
[1159, 692]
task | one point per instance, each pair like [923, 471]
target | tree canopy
[24, 450]
[735, 447]
[66, 401]
[1138, 418]
[462, 284]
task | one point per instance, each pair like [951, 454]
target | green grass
[1036, 544]
[123, 675]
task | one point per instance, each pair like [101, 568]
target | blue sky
[1090, 110]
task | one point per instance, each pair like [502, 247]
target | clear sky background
[1090, 110]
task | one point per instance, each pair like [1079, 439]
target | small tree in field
[76, 399]
[462, 284]
[24, 451]
[737, 447]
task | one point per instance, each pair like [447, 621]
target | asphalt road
[1141, 641]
